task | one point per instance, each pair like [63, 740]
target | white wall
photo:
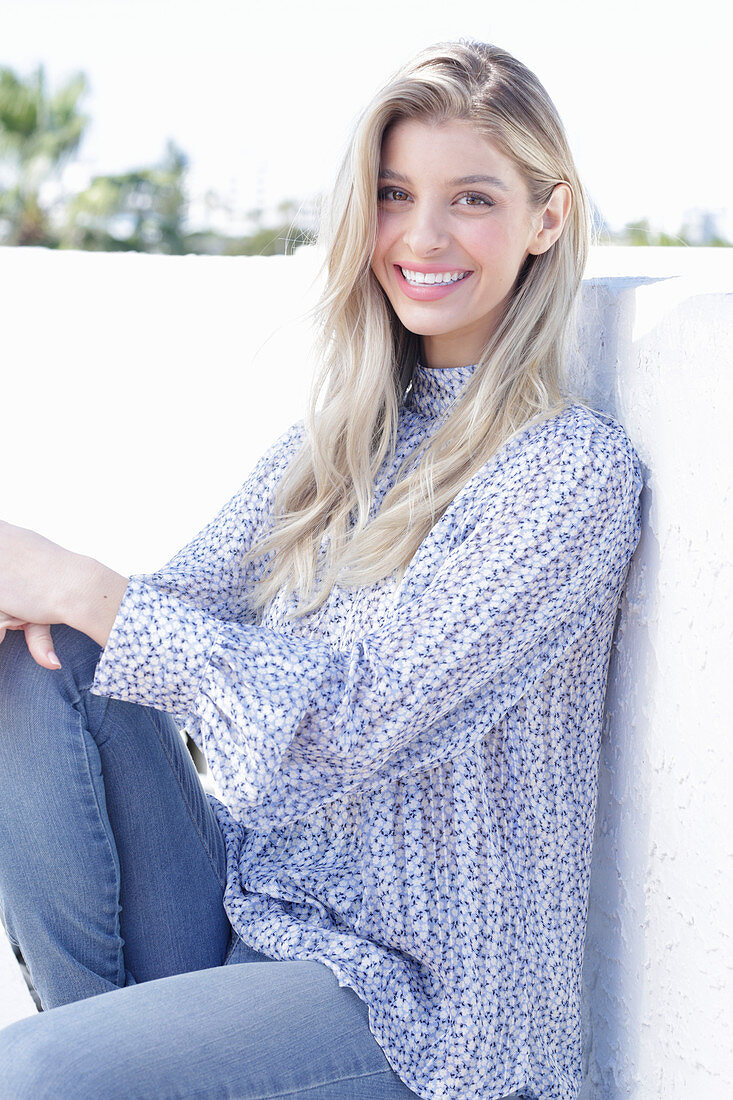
[138, 390]
[659, 336]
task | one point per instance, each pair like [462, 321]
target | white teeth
[418, 278]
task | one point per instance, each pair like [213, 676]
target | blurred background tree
[142, 211]
[39, 132]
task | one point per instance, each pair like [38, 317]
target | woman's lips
[429, 292]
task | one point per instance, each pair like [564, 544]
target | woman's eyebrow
[494, 181]
[460, 181]
[388, 174]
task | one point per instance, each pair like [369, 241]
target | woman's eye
[391, 194]
[472, 199]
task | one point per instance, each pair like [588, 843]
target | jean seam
[332, 1081]
[319, 1085]
[120, 980]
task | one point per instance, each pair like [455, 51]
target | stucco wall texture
[658, 952]
[138, 390]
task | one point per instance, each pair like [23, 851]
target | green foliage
[39, 132]
[142, 211]
[36, 126]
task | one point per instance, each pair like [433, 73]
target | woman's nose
[425, 232]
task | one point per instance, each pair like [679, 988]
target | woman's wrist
[94, 598]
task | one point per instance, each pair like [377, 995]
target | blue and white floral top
[408, 774]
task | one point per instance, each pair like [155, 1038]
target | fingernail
[53, 659]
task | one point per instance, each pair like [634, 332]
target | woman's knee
[27, 687]
[53, 1056]
[39, 1062]
[45, 713]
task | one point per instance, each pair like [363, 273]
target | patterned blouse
[408, 774]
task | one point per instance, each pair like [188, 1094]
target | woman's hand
[42, 583]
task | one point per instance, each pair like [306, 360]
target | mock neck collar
[434, 389]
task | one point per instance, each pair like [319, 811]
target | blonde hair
[322, 532]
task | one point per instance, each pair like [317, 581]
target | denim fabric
[111, 880]
[261, 1029]
[111, 861]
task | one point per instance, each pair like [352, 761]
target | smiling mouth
[436, 278]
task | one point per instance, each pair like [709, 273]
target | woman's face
[455, 227]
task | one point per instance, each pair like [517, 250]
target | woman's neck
[436, 354]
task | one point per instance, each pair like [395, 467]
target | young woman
[391, 646]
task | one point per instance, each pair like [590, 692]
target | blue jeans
[111, 880]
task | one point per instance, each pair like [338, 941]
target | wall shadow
[615, 945]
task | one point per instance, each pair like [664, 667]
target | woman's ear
[553, 219]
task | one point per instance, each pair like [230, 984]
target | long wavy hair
[323, 532]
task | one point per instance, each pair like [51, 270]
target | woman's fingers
[37, 637]
[39, 642]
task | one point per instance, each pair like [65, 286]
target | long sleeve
[208, 577]
[530, 553]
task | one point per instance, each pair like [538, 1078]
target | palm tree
[39, 131]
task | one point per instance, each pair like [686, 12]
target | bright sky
[262, 96]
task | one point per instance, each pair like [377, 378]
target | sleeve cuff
[157, 651]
